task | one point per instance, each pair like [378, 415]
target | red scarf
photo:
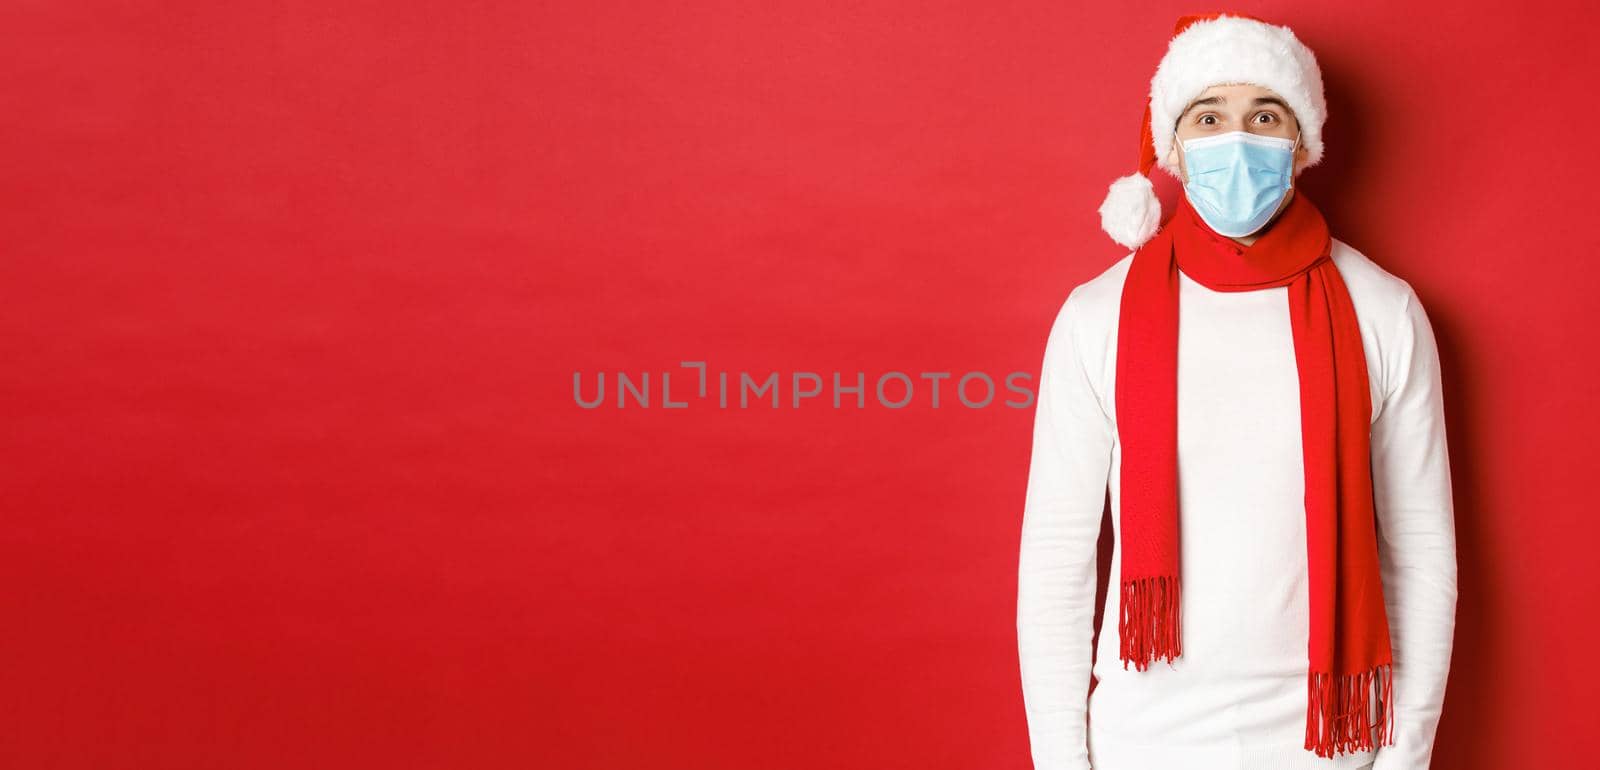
[1349, 655]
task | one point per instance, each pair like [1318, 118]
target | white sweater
[1236, 697]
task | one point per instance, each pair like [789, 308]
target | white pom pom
[1131, 213]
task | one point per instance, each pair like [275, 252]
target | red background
[294, 293]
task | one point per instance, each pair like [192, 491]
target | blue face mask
[1238, 179]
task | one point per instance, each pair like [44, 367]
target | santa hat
[1206, 50]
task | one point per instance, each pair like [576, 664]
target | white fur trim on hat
[1230, 49]
[1131, 212]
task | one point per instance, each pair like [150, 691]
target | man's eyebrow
[1198, 102]
[1260, 100]
[1257, 102]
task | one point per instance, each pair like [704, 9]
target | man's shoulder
[1086, 324]
[1367, 279]
[1384, 302]
[1100, 296]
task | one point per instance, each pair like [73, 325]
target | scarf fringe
[1150, 622]
[1341, 715]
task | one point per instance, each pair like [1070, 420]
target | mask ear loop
[1183, 153]
[1183, 157]
[1293, 151]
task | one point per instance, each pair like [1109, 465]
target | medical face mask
[1237, 179]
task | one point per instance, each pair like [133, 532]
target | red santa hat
[1207, 50]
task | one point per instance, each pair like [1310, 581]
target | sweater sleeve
[1417, 546]
[1067, 476]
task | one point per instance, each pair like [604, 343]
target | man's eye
[1269, 116]
[1208, 119]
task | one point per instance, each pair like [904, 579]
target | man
[1284, 575]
